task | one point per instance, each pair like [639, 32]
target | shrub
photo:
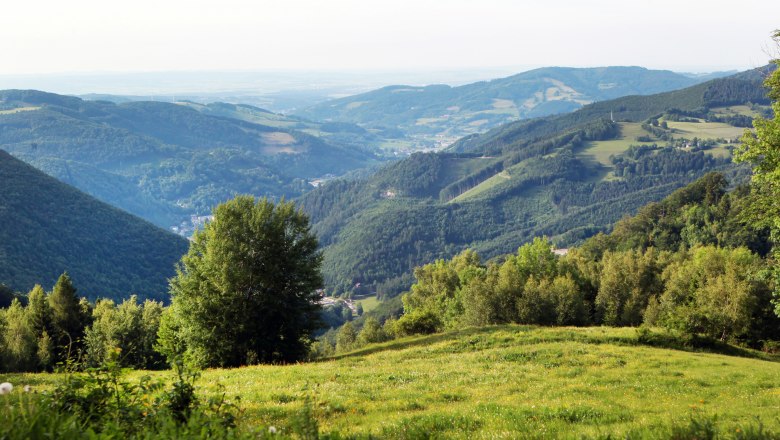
[418, 322]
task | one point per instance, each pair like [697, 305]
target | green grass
[483, 187]
[506, 382]
[601, 150]
[369, 303]
[743, 110]
[705, 130]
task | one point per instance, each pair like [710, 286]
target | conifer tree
[38, 311]
[67, 317]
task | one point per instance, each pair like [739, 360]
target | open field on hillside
[18, 110]
[483, 186]
[743, 110]
[505, 382]
[601, 150]
[369, 303]
[705, 130]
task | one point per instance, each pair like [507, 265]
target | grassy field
[18, 110]
[705, 130]
[505, 382]
[743, 110]
[482, 187]
[369, 303]
[601, 150]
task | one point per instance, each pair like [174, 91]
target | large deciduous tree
[762, 149]
[246, 290]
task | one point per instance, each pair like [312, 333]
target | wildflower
[272, 429]
[27, 388]
[5, 388]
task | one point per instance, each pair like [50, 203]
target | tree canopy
[246, 290]
[762, 149]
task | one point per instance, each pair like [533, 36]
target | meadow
[600, 151]
[508, 382]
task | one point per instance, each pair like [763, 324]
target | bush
[418, 322]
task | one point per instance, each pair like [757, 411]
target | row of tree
[58, 327]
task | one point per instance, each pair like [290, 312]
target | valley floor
[508, 382]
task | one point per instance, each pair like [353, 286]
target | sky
[56, 36]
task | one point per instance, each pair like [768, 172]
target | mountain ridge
[51, 227]
[434, 110]
[566, 176]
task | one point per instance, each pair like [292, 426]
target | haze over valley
[390, 220]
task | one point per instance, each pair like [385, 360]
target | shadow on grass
[529, 335]
[422, 340]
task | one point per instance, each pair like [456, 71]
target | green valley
[565, 176]
[166, 162]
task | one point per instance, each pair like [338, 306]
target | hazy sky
[53, 36]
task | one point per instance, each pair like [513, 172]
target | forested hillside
[439, 113]
[567, 177]
[165, 161]
[50, 228]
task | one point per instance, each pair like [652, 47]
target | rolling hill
[50, 227]
[507, 382]
[564, 176]
[438, 114]
[165, 161]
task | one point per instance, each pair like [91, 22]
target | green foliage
[520, 181]
[19, 340]
[716, 292]
[68, 320]
[246, 288]
[50, 228]
[165, 161]
[346, 338]
[371, 332]
[100, 403]
[131, 327]
[418, 322]
[556, 301]
[627, 282]
[762, 149]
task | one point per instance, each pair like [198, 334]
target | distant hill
[447, 113]
[166, 161]
[49, 227]
[565, 176]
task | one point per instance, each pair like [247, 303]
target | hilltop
[165, 161]
[565, 176]
[50, 227]
[440, 114]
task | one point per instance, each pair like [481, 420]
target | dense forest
[166, 161]
[50, 227]
[493, 192]
[694, 263]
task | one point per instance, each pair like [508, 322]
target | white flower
[27, 388]
[5, 388]
[272, 429]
